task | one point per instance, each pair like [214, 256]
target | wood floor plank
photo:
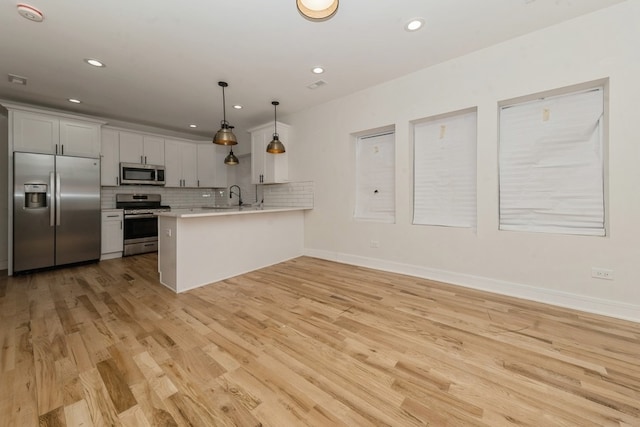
[116, 385]
[306, 342]
[77, 414]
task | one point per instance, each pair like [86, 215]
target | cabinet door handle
[141, 159]
[117, 183]
[198, 183]
[120, 225]
[56, 150]
[145, 160]
[113, 216]
[62, 150]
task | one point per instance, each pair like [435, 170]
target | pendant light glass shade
[224, 136]
[231, 159]
[317, 10]
[275, 146]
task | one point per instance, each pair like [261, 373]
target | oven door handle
[126, 217]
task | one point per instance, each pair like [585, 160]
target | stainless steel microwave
[139, 174]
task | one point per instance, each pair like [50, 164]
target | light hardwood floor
[305, 342]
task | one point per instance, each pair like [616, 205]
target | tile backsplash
[292, 194]
[174, 197]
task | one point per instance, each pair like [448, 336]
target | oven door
[140, 228]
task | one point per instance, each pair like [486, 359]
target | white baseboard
[604, 307]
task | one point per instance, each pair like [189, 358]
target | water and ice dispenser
[35, 196]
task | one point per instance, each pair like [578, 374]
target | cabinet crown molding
[12, 106]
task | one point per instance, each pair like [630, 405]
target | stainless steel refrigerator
[56, 210]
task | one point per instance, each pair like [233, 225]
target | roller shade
[445, 171]
[551, 165]
[375, 178]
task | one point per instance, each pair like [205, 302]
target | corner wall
[4, 188]
[544, 267]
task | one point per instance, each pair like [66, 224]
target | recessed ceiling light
[75, 101]
[414, 24]
[94, 62]
[193, 126]
[237, 107]
[317, 70]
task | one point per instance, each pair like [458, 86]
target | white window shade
[445, 171]
[375, 178]
[551, 165]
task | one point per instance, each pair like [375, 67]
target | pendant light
[231, 159]
[275, 146]
[224, 136]
[317, 10]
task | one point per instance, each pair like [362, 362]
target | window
[445, 171]
[551, 164]
[375, 178]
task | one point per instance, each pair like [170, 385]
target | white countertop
[206, 212]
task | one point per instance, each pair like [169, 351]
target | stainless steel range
[140, 221]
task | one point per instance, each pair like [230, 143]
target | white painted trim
[604, 307]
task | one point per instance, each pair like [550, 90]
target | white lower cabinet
[112, 233]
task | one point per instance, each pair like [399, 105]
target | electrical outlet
[374, 244]
[602, 273]
[167, 232]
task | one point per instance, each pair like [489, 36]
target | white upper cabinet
[153, 148]
[267, 168]
[212, 172]
[110, 158]
[79, 138]
[180, 167]
[140, 148]
[49, 134]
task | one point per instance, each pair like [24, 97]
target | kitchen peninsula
[200, 246]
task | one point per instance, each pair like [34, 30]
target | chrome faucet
[239, 194]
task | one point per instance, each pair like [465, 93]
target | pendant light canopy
[317, 10]
[224, 136]
[231, 159]
[275, 146]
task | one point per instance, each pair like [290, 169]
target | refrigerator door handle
[57, 199]
[52, 212]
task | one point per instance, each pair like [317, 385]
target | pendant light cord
[224, 108]
[275, 117]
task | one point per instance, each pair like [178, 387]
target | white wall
[4, 188]
[544, 267]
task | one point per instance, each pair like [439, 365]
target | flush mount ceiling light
[193, 126]
[30, 12]
[94, 62]
[414, 24]
[317, 70]
[74, 101]
[224, 136]
[237, 107]
[275, 146]
[317, 10]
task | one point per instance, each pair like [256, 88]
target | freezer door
[78, 210]
[33, 220]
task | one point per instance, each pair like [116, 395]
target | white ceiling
[164, 58]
